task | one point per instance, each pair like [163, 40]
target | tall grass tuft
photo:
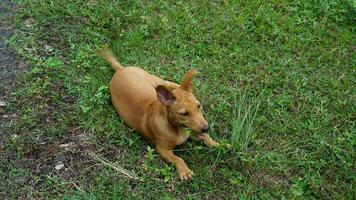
[243, 129]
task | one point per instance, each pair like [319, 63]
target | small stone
[59, 166]
[28, 23]
[48, 48]
[64, 145]
[14, 136]
[2, 103]
[83, 137]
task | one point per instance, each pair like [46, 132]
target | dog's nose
[205, 129]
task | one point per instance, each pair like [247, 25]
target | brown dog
[158, 109]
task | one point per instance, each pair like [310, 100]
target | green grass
[243, 130]
[293, 129]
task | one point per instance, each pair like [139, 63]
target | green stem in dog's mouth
[199, 136]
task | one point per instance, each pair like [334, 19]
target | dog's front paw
[209, 141]
[186, 174]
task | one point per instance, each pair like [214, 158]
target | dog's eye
[185, 113]
[199, 106]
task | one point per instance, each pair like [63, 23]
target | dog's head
[183, 107]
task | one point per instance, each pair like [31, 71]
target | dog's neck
[171, 122]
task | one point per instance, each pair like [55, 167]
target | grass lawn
[277, 80]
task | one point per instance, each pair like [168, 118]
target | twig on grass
[116, 167]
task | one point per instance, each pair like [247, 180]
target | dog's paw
[186, 175]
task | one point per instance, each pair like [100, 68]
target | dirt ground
[10, 63]
[43, 157]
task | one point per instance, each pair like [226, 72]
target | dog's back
[132, 92]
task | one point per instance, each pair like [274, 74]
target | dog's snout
[205, 129]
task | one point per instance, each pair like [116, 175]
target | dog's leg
[208, 141]
[184, 172]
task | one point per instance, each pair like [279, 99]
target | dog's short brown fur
[158, 109]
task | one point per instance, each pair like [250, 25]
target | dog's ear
[164, 95]
[187, 80]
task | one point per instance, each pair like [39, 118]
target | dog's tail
[109, 56]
